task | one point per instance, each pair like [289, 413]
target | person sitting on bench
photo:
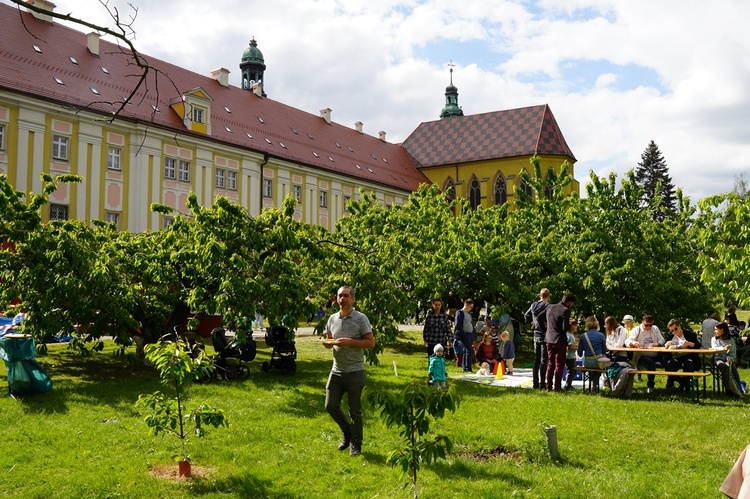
[647, 335]
[682, 339]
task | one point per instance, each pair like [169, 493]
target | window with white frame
[113, 218]
[113, 158]
[297, 192]
[324, 199]
[184, 171]
[267, 188]
[2, 137]
[199, 114]
[220, 178]
[231, 180]
[60, 147]
[166, 222]
[58, 211]
[346, 202]
[169, 168]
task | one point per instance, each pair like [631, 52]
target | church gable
[501, 134]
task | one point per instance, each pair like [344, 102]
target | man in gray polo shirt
[349, 332]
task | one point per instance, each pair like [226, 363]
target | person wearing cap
[628, 323]
[647, 335]
[436, 371]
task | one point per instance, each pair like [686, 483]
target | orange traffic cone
[502, 366]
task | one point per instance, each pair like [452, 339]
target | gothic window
[523, 186]
[450, 190]
[475, 193]
[548, 189]
[500, 190]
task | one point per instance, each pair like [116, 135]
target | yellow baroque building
[67, 105]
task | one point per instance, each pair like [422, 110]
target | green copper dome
[253, 54]
[451, 101]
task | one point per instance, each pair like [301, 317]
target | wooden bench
[586, 376]
[694, 392]
[694, 376]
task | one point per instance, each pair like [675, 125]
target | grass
[85, 438]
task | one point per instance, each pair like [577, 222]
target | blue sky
[616, 74]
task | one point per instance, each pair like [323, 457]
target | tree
[725, 247]
[653, 176]
[741, 185]
[411, 411]
[179, 364]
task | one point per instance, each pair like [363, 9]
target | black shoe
[355, 451]
[346, 439]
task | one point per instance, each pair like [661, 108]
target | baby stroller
[284, 351]
[224, 351]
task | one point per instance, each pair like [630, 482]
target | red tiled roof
[501, 134]
[339, 149]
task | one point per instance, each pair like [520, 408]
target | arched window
[548, 189]
[525, 187]
[475, 193]
[449, 190]
[500, 190]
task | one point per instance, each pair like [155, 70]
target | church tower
[451, 101]
[252, 67]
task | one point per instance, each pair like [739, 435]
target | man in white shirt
[647, 335]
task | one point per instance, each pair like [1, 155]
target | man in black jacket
[689, 362]
[536, 315]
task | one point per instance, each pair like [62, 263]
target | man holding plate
[348, 333]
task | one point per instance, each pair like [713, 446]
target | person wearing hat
[437, 371]
[628, 323]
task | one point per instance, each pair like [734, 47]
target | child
[509, 352]
[437, 371]
[459, 350]
[570, 358]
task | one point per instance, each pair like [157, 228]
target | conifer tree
[653, 176]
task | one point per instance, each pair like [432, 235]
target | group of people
[556, 346]
[348, 333]
[492, 348]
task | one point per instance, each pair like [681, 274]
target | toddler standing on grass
[437, 371]
[509, 352]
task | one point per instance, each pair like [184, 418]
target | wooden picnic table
[703, 352]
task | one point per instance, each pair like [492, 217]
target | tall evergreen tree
[653, 176]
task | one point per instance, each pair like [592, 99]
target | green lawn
[85, 439]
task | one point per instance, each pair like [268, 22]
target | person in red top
[488, 352]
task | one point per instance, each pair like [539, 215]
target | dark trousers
[648, 364]
[540, 363]
[350, 384]
[555, 364]
[570, 365]
[675, 364]
[467, 339]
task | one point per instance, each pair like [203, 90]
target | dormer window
[37, 49]
[199, 114]
[73, 60]
[194, 108]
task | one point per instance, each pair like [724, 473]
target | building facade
[67, 106]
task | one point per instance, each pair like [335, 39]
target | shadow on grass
[238, 486]
[464, 470]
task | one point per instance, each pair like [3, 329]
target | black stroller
[284, 351]
[224, 351]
